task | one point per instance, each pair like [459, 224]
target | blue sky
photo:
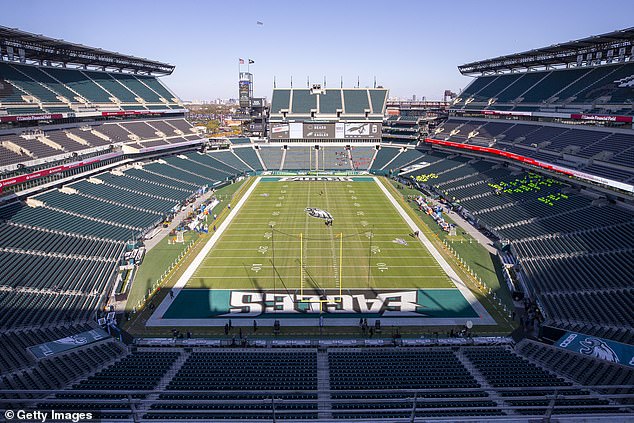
[412, 47]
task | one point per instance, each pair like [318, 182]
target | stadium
[348, 258]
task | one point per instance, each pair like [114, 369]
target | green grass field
[253, 268]
[485, 264]
[274, 260]
[261, 248]
[163, 254]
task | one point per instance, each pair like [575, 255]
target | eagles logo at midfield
[319, 213]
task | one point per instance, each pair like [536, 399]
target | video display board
[323, 131]
[315, 131]
[362, 130]
[244, 91]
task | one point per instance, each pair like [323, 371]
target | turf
[243, 257]
[485, 265]
[157, 261]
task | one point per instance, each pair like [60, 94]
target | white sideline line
[359, 228]
[328, 266]
[312, 256]
[255, 247]
[268, 219]
[385, 236]
[464, 290]
[191, 269]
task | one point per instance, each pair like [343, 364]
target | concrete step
[323, 386]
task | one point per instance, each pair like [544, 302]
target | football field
[280, 257]
[375, 240]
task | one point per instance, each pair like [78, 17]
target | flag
[251, 61]
[242, 61]
[260, 23]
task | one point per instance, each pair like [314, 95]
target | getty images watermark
[50, 416]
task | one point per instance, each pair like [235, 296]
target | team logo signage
[318, 213]
[316, 178]
[362, 130]
[387, 304]
[59, 346]
[598, 348]
[352, 303]
[72, 340]
[603, 349]
[399, 241]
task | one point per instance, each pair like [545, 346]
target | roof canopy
[587, 51]
[28, 47]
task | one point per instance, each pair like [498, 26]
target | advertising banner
[18, 118]
[602, 118]
[280, 131]
[543, 165]
[46, 172]
[136, 112]
[506, 113]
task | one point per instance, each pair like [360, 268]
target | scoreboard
[244, 92]
[245, 89]
[326, 131]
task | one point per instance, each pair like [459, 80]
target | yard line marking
[250, 251]
[460, 285]
[197, 261]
